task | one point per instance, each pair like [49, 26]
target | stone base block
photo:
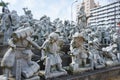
[53, 74]
[2, 77]
[33, 78]
[80, 70]
[112, 63]
[100, 66]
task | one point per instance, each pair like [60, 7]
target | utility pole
[72, 10]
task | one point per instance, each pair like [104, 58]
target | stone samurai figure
[50, 50]
[78, 53]
[17, 60]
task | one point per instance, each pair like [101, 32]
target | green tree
[3, 4]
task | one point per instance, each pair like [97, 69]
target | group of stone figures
[11, 21]
[90, 47]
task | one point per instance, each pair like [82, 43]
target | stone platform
[100, 74]
[51, 75]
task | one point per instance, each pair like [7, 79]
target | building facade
[105, 16]
[88, 4]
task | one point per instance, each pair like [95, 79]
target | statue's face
[6, 10]
[51, 39]
[76, 38]
[14, 38]
[91, 46]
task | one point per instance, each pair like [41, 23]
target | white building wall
[108, 15]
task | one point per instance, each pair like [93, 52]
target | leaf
[4, 4]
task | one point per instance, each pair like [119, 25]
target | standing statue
[66, 30]
[6, 22]
[96, 59]
[28, 13]
[23, 20]
[15, 20]
[116, 38]
[56, 21]
[110, 53]
[72, 30]
[78, 53]
[81, 18]
[50, 50]
[17, 60]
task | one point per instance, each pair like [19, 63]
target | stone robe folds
[51, 50]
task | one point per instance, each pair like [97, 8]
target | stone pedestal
[99, 66]
[2, 77]
[33, 78]
[99, 74]
[112, 63]
[52, 74]
[74, 68]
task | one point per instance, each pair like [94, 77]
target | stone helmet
[23, 33]
[29, 11]
[26, 24]
[90, 42]
[93, 34]
[5, 9]
[54, 36]
[76, 35]
[115, 37]
[88, 30]
[79, 35]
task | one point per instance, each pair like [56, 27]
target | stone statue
[110, 53]
[81, 18]
[78, 53]
[66, 30]
[15, 20]
[98, 33]
[96, 59]
[6, 24]
[87, 33]
[17, 60]
[116, 37]
[56, 21]
[24, 19]
[91, 47]
[50, 50]
[5, 19]
[72, 30]
[28, 13]
[106, 36]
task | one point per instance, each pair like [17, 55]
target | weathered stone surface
[33, 78]
[51, 55]
[52, 75]
[100, 74]
[17, 59]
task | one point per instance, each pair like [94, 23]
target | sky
[52, 8]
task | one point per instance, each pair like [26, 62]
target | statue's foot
[47, 73]
[73, 63]
[62, 70]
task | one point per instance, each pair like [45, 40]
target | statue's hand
[13, 46]
[30, 63]
[43, 58]
[39, 48]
